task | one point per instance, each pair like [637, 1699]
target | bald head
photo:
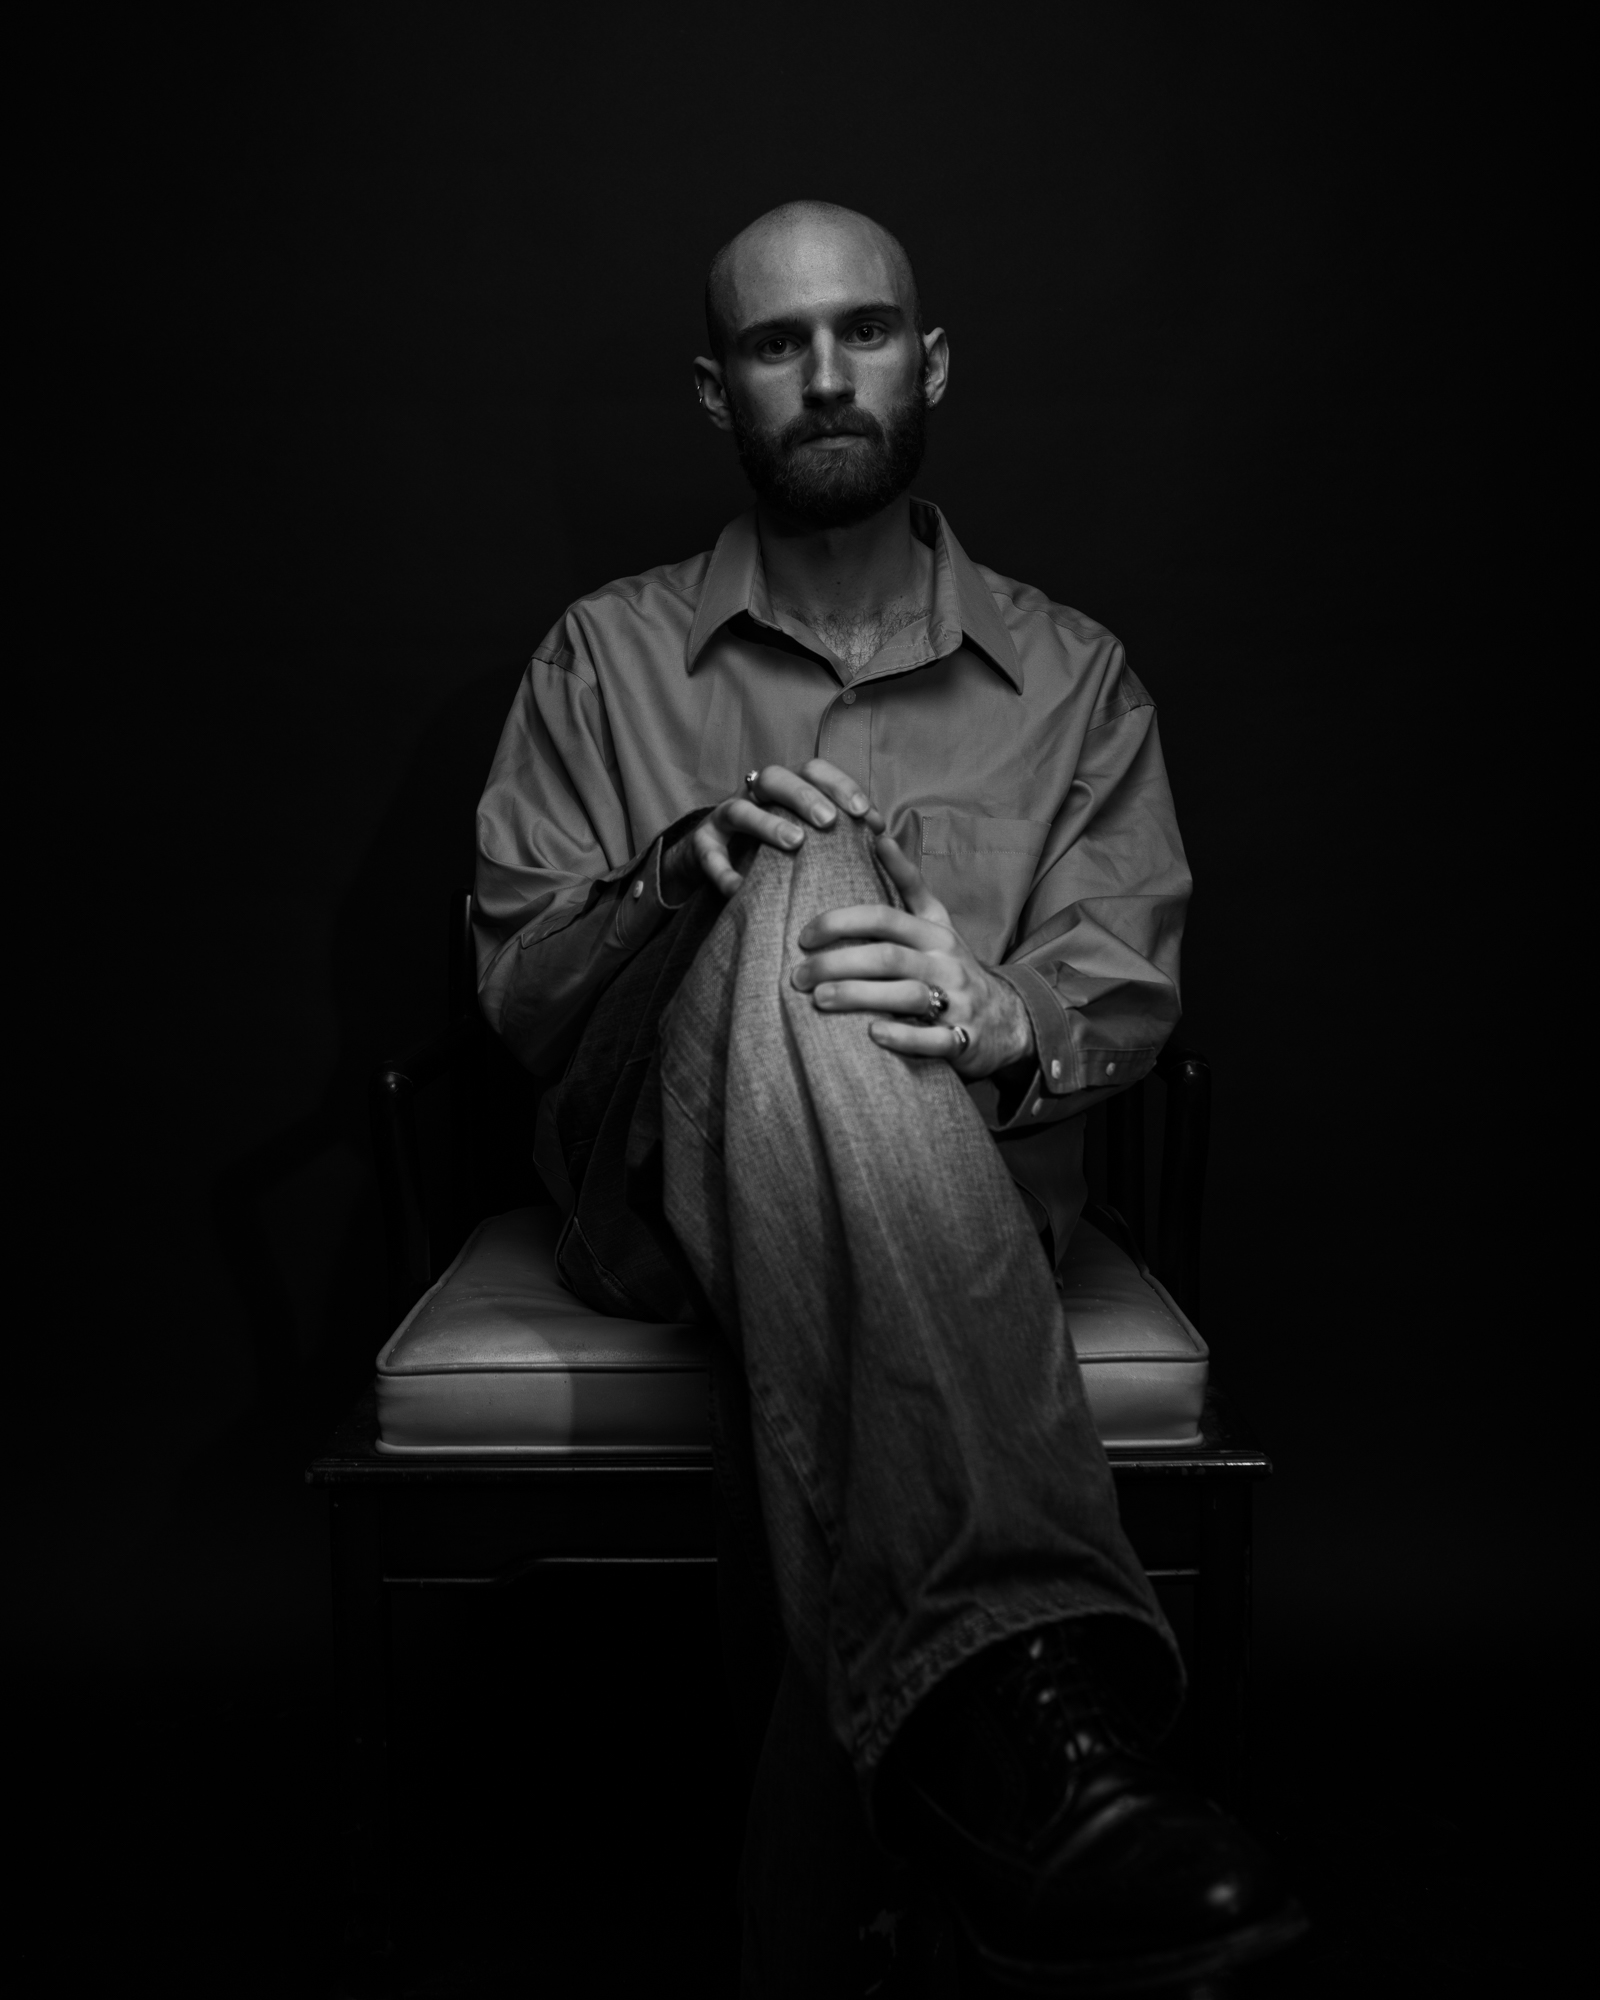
[798, 244]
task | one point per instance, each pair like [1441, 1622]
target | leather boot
[1075, 1864]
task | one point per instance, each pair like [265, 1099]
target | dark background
[381, 356]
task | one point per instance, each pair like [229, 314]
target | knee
[841, 862]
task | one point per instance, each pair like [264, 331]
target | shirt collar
[962, 605]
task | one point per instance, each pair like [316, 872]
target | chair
[579, 1443]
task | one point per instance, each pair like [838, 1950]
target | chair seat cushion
[498, 1358]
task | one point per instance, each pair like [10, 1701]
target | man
[841, 876]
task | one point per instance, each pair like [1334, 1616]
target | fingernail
[793, 835]
[824, 996]
[858, 803]
[822, 814]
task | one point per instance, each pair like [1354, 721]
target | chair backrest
[494, 1101]
[1145, 1162]
[461, 965]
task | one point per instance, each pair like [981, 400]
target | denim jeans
[927, 1475]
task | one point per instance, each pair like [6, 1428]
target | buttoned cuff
[1063, 1068]
[641, 907]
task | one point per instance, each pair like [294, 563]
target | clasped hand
[873, 959]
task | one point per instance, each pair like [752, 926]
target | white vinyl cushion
[499, 1358]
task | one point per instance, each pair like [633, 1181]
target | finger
[903, 1038]
[906, 876]
[843, 790]
[712, 854]
[875, 920]
[861, 961]
[787, 788]
[872, 996]
[746, 817]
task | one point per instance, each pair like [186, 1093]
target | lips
[834, 437]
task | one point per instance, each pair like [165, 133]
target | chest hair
[858, 640]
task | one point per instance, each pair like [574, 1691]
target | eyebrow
[791, 323]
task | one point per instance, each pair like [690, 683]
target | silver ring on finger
[963, 1039]
[938, 1001]
[751, 780]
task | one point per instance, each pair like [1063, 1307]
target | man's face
[824, 374]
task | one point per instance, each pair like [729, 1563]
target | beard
[834, 489]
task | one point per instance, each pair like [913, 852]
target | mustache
[840, 423]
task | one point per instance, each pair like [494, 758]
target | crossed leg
[928, 1472]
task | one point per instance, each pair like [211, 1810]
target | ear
[712, 385]
[935, 365]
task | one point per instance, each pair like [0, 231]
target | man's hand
[817, 793]
[884, 961]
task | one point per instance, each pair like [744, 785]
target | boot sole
[999, 1975]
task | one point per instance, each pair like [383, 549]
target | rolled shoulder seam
[1104, 718]
[566, 662]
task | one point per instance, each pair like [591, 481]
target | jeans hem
[977, 1628]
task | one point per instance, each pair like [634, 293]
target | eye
[776, 347]
[865, 331]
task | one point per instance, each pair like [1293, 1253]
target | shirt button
[849, 696]
[637, 891]
[1037, 1107]
[1111, 1069]
[1055, 1070]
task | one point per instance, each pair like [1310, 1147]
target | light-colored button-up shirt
[1003, 737]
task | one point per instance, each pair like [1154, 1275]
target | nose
[828, 377]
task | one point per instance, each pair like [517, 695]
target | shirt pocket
[981, 869]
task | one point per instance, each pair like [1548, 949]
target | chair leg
[363, 1665]
[1222, 1638]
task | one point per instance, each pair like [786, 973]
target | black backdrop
[390, 314]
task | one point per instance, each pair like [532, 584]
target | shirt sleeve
[1096, 964]
[564, 894]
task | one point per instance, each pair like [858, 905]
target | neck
[830, 574]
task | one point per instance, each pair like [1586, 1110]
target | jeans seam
[688, 1116]
[777, 1428]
